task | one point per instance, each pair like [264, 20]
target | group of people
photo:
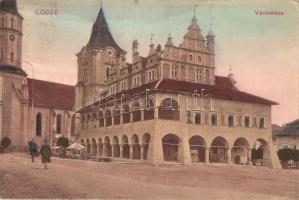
[45, 152]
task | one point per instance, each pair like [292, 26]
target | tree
[285, 155]
[63, 142]
[5, 142]
[295, 157]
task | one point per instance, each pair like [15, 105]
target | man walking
[32, 149]
[45, 153]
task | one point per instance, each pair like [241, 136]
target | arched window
[11, 25]
[199, 59]
[38, 124]
[169, 109]
[73, 120]
[107, 73]
[190, 57]
[58, 124]
[12, 57]
[174, 72]
[126, 114]
[207, 76]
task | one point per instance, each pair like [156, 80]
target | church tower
[98, 63]
[13, 80]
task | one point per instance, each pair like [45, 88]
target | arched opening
[169, 109]
[108, 118]
[58, 124]
[38, 125]
[107, 147]
[82, 142]
[171, 143]
[240, 150]
[116, 147]
[88, 146]
[257, 153]
[136, 110]
[94, 147]
[136, 147]
[126, 147]
[149, 112]
[218, 150]
[197, 148]
[100, 143]
[101, 119]
[126, 114]
[116, 116]
[146, 138]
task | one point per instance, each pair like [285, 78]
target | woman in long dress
[45, 153]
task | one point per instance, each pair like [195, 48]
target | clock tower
[98, 63]
[10, 37]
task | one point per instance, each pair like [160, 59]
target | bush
[5, 142]
[63, 142]
[285, 154]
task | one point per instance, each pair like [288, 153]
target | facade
[167, 106]
[287, 136]
[28, 108]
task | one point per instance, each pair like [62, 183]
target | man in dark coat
[45, 153]
[32, 149]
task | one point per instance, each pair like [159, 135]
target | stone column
[121, 148]
[112, 121]
[121, 117]
[104, 122]
[156, 114]
[141, 151]
[131, 116]
[229, 156]
[142, 115]
[112, 150]
[207, 155]
[131, 151]
[249, 157]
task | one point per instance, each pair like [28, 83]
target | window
[190, 57]
[199, 74]
[199, 59]
[207, 76]
[11, 24]
[85, 73]
[2, 22]
[58, 124]
[151, 75]
[112, 89]
[174, 72]
[262, 122]
[231, 121]
[11, 57]
[197, 118]
[136, 80]
[123, 85]
[107, 73]
[73, 122]
[1, 56]
[38, 124]
[247, 121]
[214, 119]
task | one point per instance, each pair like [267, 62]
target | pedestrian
[32, 149]
[45, 153]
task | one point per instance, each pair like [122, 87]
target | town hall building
[167, 106]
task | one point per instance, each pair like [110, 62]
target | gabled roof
[101, 36]
[51, 95]
[220, 90]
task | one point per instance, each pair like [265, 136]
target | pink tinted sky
[262, 50]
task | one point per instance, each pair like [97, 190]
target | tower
[98, 63]
[13, 80]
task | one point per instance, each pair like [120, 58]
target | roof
[101, 36]
[290, 129]
[9, 6]
[51, 95]
[12, 70]
[221, 90]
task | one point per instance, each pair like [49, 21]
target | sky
[262, 50]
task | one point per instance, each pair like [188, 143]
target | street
[20, 178]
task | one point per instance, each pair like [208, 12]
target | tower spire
[101, 3]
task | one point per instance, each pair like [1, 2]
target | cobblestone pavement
[20, 178]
